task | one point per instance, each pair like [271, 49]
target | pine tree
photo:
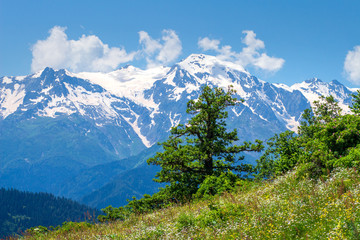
[203, 146]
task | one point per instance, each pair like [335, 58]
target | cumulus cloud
[209, 44]
[160, 52]
[352, 65]
[251, 55]
[88, 53]
[150, 46]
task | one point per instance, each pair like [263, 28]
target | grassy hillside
[290, 207]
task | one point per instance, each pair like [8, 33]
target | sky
[279, 41]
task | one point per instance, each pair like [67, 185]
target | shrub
[36, 231]
[74, 227]
[113, 214]
[215, 185]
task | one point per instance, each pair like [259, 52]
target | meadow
[289, 207]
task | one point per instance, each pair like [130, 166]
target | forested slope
[21, 210]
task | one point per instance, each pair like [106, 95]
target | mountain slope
[22, 210]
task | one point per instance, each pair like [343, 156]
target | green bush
[215, 185]
[113, 214]
[36, 231]
[352, 159]
[74, 227]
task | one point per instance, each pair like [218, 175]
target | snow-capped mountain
[59, 121]
[165, 93]
[141, 100]
[313, 88]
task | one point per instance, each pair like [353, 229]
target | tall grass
[289, 207]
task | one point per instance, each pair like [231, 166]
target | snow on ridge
[170, 79]
[37, 74]
[58, 105]
[129, 82]
[279, 109]
[353, 89]
[78, 100]
[101, 101]
[137, 130]
[314, 88]
[10, 100]
[201, 63]
[7, 80]
[292, 124]
[20, 78]
[284, 86]
[311, 91]
[37, 100]
[174, 120]
[236, 113]
[254, 112]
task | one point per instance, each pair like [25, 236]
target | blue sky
[278, 41]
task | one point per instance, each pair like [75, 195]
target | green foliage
[203, 147]
[352, 159]
[355, 107]
[74, 227]
[281, 155]
[113, 214]
[150, 203]
[215, 185]
[326, 109]
[333, 144]
[36, 231]
[326, 140]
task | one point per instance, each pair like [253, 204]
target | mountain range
[87, 135]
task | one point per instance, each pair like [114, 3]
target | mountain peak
[309, 84]
[313, 80]
[44, 72]
[202, 63]
[199, 57]
[336, 82]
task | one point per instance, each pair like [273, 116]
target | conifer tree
[203, 146]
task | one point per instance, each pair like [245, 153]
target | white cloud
[251, 41]
[158, 53]
[88, 53]
[352, 65]
[251, 55]
[150, 45]
[209, 44]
